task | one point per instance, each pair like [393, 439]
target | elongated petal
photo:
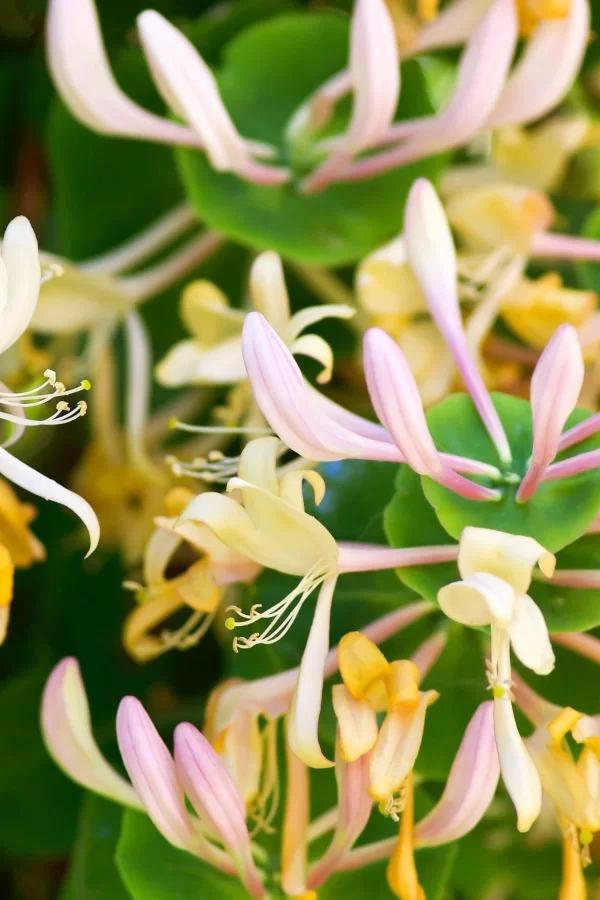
[309, 424]
[310, 315]
[269, 292]
[357, 723]
[529, 636]
[546, 70]
[19, 295]
[402, 875]
[152, 772]
[470, 787]
[508, 556]
[431, 254]
[397, 747]
[303, 722]
[215, 797]
[80, 69]
[563, 782]
[478, 600]
[451, 27]
[295, 827]
[28, 478]
[190, 88]
[316, 347]
[67, 733]
[375, 76]
[397, 402]
[555, 386]
[516, 766]
[361, 664]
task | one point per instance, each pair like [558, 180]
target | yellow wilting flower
[18, 547]
[371, 684]
[199, 587]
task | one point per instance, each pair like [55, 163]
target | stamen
[282, 615]
[185, 637]
[215, 467]
[394, 805]
[266, 805]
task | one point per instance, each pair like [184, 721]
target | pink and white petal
[555, 387]
[470, 787]
[67, 734]
[546, 70]
[22, 274]
[303, 720]
[529, 636]
[81, 72]
[152, 771]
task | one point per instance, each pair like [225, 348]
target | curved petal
[546, 69]
[81, 72]
[470, 787]
[511, 557]
[478, 600]
[269, 293]
[152, 772]
[529, 636]
[316, 347]
[516, 766]
[189, 362]
[310, 315]
[563, 781]
[206, 313]
[76, 301]
[303, 720]
[28, 478]
[21, 288]
[67, 733]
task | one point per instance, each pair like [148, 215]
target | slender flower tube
[395, 397]
[309, 423]
[375, 76]
[555, 388]
[470, 787]
[295, 827]
[546, 70]
[432, 256]
[215, 797]
[402, 875]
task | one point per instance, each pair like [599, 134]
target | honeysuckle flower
[496, 569]
[372, 684]
[199, 587]
[214, 354]
[159, 782]
[271, 527]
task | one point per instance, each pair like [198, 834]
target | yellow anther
[361, 663]
[62, 406]
[86, 385]
[50, 374]
[82, 407]
[402, 684]
[59, 387]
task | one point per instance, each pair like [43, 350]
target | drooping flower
[496, 571]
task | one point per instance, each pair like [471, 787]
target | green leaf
[411, 522]
[556, 515]
[571, 609]
[39, 804]
[92, 871]
[269, 70]
[152, 869]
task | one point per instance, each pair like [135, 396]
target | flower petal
[478, 600]
[546, 69]
[216, 799]
[357, 723]
[81, 72]
[529, 636]
[206, 313]
[189, 362]
[28, 478]
[268, 289]
[516, 766]
[555, 387]
[508, 556]
[67, 733]
[303, 721]
[310, 315]
[22, 286]
[470, 787]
